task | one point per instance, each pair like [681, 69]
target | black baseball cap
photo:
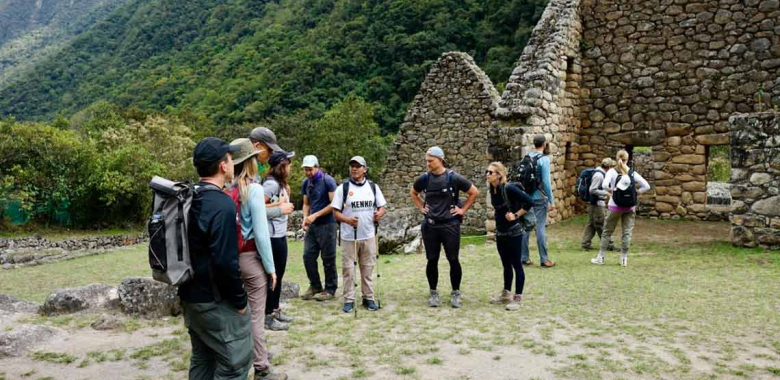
[279, 156]
[210, 150]
[539, 140]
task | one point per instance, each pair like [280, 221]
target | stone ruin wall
[602, 75]
[542, 96]
[452, 110]
[668, 74]
[755, 178]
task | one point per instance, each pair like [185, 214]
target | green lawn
[689, 306]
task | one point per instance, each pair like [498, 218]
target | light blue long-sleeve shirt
[543, 165]
[254, 225]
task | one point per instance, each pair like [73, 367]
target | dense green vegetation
[240, 61]
[31, 30]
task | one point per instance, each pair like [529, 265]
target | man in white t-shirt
[363, 206]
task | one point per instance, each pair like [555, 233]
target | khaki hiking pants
[627, 220]
[256, 286]
[366, 254]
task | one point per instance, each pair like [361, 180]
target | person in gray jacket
[596, 211]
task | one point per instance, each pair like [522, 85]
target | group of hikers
[237, 237]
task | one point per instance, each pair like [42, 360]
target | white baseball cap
[310, 162]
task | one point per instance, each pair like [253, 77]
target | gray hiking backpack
[169, 253]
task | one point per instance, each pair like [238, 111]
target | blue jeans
[540, 209]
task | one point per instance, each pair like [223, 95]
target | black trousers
[510, 251]
[321, 238]
[434, 237]
[279, 248]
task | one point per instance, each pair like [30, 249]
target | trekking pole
[354, 262]
[378, 274]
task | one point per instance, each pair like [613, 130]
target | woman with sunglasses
[510, 204]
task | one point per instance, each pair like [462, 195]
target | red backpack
[243, 246]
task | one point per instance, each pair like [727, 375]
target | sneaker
[370, 304]
[598, 260]
[433, 300]
[548, 264]
[515, 304]
[348, 306]
[282, 317]
[504, 298]
[455, 299]
[273, 324]
[624, 260]
[268, 374]
[528, 262]
[310, 293]
[323, 296]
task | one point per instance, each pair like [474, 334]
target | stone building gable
[452, 110]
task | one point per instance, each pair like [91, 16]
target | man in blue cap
[214, 301]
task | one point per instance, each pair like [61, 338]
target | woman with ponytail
[510, 204]
[620, 183]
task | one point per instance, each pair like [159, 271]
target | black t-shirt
[213, 243]
[437, 193]
[517, 200]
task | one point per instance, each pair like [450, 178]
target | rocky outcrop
[94, 296]
[398, 228]
[146, 297]
[290, 290]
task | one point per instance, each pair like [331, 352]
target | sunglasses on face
[489, 172]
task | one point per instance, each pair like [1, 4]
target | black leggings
[509, 249]
[279, 248]
[433, 238]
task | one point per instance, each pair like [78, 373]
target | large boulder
[290, 290]
[13, 305]
[398, 228]
[148, 298]
[22, 337]
[94, 296]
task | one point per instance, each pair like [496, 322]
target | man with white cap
[443, 215]
[358, 204]
[318, 190]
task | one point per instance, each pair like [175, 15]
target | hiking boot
[281, 317]
[323, 296]
[370, 305]
[433, 300]
[515, 304]
[455, 299]
[598, 260]
[505, 297]
[273, 324]
[268, 374]
[348, 306]
[624, 260]
[310, 293]
[528, 262]
[584, 248]
[548, 264]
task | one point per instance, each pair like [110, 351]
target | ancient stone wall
[755, 178]
[542, 96]
[452, 110]
[668, 74]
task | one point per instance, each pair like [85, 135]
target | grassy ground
[60, 233]
[689, 306]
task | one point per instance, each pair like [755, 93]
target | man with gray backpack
[590, 188]
[193, 244]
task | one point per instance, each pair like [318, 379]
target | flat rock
[10, 304]
[23, 337]
[108, 322]
[290, 290]
[93, 296]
